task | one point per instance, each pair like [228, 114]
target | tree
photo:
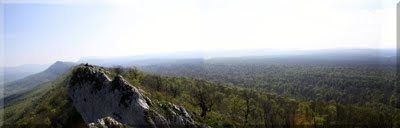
[118, 69]
[266, 105]
[134, 73]
[290, 112]
[235, 107]
[204, 96]
[395, 98]
[248, 97]
[174, 87]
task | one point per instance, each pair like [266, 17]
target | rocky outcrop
[177, 115]
[99, 99]
[106, 122]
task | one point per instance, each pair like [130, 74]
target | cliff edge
[96, 97]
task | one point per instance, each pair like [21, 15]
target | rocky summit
[102, 101]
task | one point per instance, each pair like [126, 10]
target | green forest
[325, 94]
[200, 64]
[236, 95]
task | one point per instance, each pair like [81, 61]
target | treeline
[220, 105]
[347, 84]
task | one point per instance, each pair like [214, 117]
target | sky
[44, 31]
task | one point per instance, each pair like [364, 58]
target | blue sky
[44, 31]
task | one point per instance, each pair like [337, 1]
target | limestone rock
[95, 96]
[106, 122]
[99, 99]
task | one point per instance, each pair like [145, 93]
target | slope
[209, 103]
[18, 72]
[44, 104]
[13, 89]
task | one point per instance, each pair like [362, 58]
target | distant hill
[324, 56]
[15, 73]
[29, 82]
[328, 56]
[140, 59]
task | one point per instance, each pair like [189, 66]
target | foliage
[237, 106]
[47, 105]
[232, 103]
[339, 93]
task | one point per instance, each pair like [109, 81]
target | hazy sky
[43, 31]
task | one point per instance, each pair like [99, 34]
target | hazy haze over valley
[68, 30]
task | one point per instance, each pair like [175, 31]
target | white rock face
[100, 100]
[106, 122]
[95, 96]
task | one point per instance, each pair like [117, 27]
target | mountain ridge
[336, 54]
[13, 89]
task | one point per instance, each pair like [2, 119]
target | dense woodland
[293, 104]
[340, 83]
[238, 95]
[367, 86]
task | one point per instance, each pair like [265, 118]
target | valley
[220, 93]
